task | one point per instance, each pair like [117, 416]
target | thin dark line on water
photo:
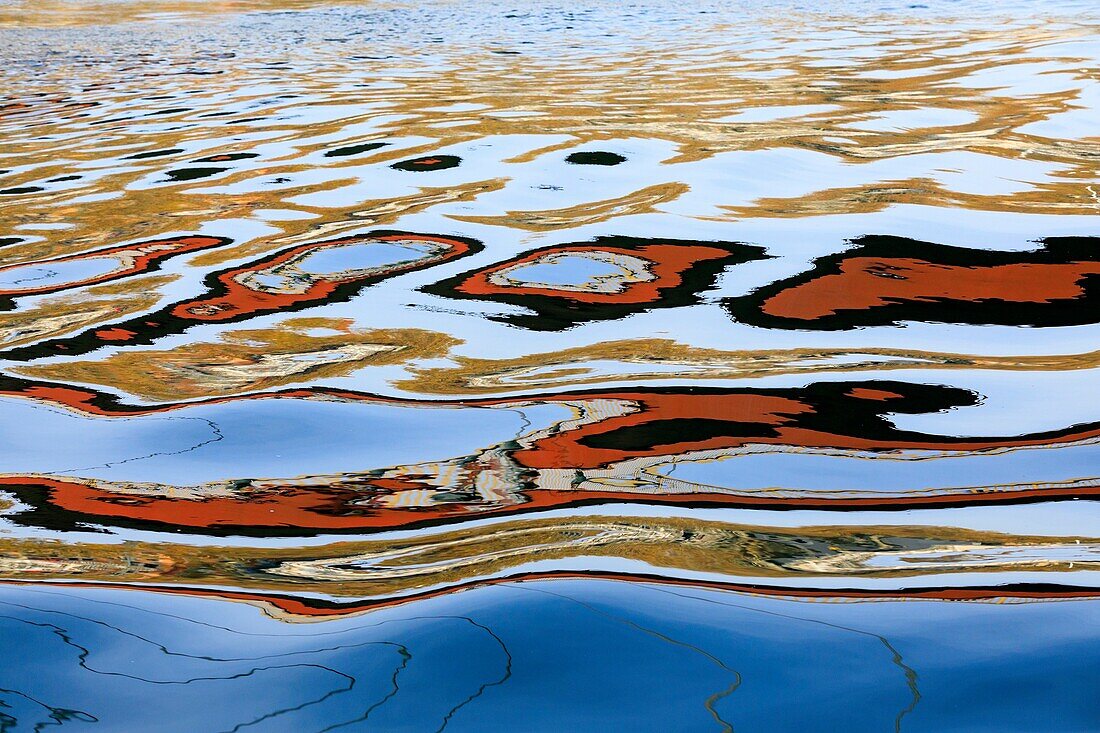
[214, 428]
[44, 276]
[58, 714]
[406, 656]
[710, 701]
[481, 690]
[218, 436]
[525, 423]
[911, 677]
[84, 653]
[171, 653]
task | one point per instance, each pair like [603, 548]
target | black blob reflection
[21, 189]
[226, 157]
[595, 158]
[230, 299]
[608, 278]
[428, 163]
[353, 149]
[190, 174]
[153, 154]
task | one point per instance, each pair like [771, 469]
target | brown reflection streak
[569, 367]
[305, 508]
[256, 359]
[616, 452]
[918, 70]
[862, 288]
[886, 280]
[643, 201]
[637, 360]
[240, 297]
[305, 609]
[645, 274]
[102, 139]
[282, 282]
[68, 313]
[391, 567]
[773, 415]
[667, 264]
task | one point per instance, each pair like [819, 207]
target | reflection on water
[422, 366]
[578, 654]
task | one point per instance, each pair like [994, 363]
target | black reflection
[353, 149]
[595, 158]
[428, 163]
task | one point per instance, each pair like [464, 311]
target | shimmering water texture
[423, 366]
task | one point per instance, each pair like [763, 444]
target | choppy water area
[600, 366]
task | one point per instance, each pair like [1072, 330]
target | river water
[533, 366]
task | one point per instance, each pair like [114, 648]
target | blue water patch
[48, 274]
[366, 256]
[564, 655]
[570, 270]
[257, 438]
[868, 472]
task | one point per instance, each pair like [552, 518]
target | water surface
[600, 366]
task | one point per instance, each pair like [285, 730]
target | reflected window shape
[847, 416]
[318, 272]
[606, 279]
[98, 266]
[607, 447]
[299, 277]
[886, 281]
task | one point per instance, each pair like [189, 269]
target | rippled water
[739, 361]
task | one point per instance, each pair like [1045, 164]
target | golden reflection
[667, 545]
[257, 359]
[61, 315]
[640, 360]
[753, 117]
[685, 104]
[317, 225]
[61, 13]
[642, 201]
[253, 359]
